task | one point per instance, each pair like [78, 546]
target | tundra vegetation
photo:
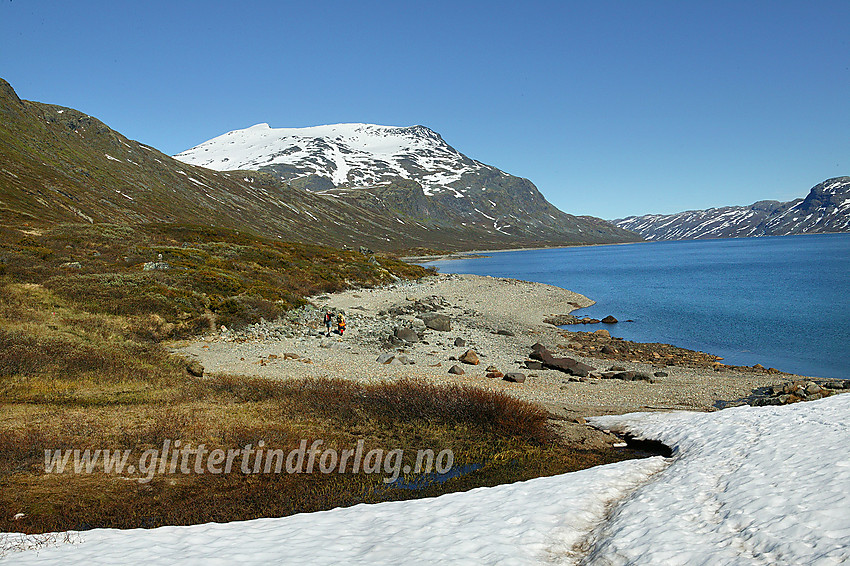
[84, 364]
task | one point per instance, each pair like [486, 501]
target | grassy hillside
[60, 165]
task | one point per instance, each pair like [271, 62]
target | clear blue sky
[610, 108]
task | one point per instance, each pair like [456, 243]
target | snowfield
[354, 154]
[766, 485]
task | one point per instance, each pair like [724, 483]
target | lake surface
[783, 302]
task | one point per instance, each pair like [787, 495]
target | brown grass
[82, 366]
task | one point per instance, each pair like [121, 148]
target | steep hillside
[825, 209]
[60, 165]
[409, 171]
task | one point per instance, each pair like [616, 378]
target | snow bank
[767, 485]
[745, 486]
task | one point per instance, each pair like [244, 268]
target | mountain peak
[348, 154]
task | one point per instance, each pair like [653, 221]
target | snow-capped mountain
[350, 155]
[825, 209]
[407, 172]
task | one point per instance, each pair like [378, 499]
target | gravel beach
[500, 319]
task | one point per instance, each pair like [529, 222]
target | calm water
[782, 302]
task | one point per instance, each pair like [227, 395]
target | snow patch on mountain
[352, 155]
[825, 209]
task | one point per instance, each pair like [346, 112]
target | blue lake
[783, 302]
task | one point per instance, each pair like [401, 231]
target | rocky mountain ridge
[410, 172]
[58, 164]
[825, 209]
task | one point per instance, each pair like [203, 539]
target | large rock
[456, 370]
[514, 377]
[195, 368]
[385, 358]
[561, 319]
[567, 365]
[470, 357]
[439, 322]
[609, 320]
[407, 334]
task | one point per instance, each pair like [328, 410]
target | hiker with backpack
[328, 321]
[340, 323]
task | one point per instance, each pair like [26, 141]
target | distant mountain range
[58, 164]
[406, 172]
[825, 209]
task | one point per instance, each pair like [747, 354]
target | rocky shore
[490, 332]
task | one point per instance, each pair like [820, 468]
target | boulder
[606, 349]
[561, 319]
[407, 334]
[514, 377]
[602, 332]
[609, 320]
[456, 370]
[567, 365]
[195, 368]
[813, 388]
[439, 322]
[470, 357]
[385, 358]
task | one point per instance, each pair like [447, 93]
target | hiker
[328, 321]
[340, 323]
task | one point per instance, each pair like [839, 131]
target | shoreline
[474, 254]
[500, 319]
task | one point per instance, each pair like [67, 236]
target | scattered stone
[491, 368]
[456, 370]
[155, 266]
[603, 332]
[407, 334]
[529, 364]
[616, 368]
[561, 319]
[470, 357]
[290, 356]
[195, 368]
[439, 322]
[514, 377]
[460, 342]
[385, 358]
[609, 320]
[606, 349]
[504, 332]
[495, 374]
[72, 265]
[660, 374]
